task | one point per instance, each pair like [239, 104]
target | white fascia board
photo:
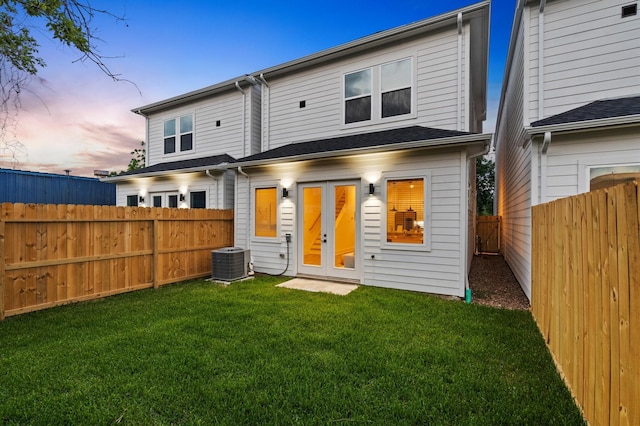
[627, 120]
[123, 178]
[484, 138]
[382, 37]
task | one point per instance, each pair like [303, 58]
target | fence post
[2, 263]
[156, 273]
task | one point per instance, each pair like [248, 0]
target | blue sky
[74, 117]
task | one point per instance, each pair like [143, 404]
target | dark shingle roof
[182, 165]
[360, 140]
[605, 108]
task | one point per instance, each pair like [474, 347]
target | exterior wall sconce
[372, 189]
[181, 197]
[141, 199]
[285, 192]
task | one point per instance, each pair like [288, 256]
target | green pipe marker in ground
[467, 297]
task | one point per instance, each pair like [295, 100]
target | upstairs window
[395, 86]
[379, 92]
[357, 95]
[178, 129]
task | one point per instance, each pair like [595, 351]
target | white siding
[590, 53]
[208, 139]
[513, 171]
[435, 87]
[183, 183]
[440, 270]
[569, 158]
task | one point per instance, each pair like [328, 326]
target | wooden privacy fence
[586, 298]
[56, 254]
[488, 234]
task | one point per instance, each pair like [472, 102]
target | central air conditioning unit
[230, 263]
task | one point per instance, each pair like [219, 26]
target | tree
[485, 186]
[68, 21]
[136, 162]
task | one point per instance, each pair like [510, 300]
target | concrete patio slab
[319, 286]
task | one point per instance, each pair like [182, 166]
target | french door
[328, 229]
[164, 199]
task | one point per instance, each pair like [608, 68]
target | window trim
[253, 216]
[427, 234]
[376, 93]
[178, 135]
[135, 197]
[191, 192]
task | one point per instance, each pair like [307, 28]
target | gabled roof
[385, 140]
[192, 165]
[601, 109]
[478, 13]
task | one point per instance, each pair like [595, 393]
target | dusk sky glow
[75, 117]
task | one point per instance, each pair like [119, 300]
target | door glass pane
[173, 201]
[157, 201]
[312, 226]
[344, 232]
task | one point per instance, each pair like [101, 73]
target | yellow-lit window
[266, 216]
[405, 215]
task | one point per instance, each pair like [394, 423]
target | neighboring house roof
[605, 108]
[385, 140]
[605, 112]
[478, 12]
[191, 165]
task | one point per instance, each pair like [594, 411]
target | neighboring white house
[569, 117]
[188, 138]
[355, 163]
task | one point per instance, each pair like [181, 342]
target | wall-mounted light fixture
[285, 192]
[181, 197]
[372, 189]
[141, 199]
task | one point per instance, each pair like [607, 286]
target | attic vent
[629, 10]
[303, 104]
[217, 123]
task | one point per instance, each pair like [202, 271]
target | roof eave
[373, 40]
[626, 120]
[122, 178]
[430, 143]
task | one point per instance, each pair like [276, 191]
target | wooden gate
[488, 234]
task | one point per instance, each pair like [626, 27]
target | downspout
[244, 114]
[541, 61]
[215, 179]
[266, 113]
[248, 200]
[467, 289]
[543, 166]
[459, 125]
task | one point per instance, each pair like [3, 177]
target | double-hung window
[357, 94]
[178, 130]
[379, 92]
[395, 88]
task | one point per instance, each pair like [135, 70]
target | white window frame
[428, 204]
[584, 170]
[376, 94]
[252, 211]
[177, 135]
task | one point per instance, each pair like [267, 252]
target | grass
[250, 353]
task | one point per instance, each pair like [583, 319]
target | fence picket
[65, 253]
[592, 298]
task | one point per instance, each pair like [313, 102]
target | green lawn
[250, 353]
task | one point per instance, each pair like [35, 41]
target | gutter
[219, 167]
[577, 126]
[431, 143]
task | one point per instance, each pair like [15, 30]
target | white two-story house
[357, 162]
[569, 117]
[188, 138]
